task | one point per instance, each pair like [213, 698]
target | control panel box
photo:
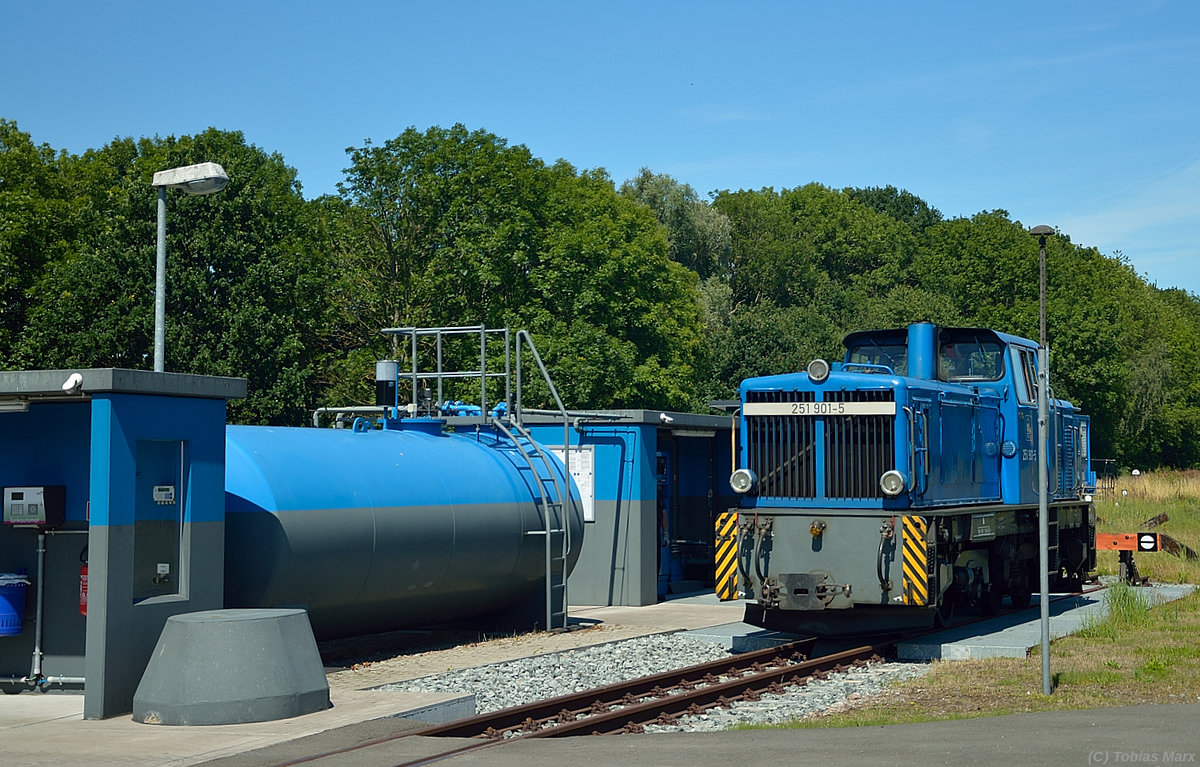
[35, 506]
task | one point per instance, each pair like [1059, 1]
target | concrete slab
[740, 637]
[1015, 634]
[690, 612]
[50, 729]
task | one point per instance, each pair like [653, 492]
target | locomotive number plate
[819, 408]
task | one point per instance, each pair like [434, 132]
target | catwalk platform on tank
[1013, 635]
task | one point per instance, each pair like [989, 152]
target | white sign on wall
[583, 471]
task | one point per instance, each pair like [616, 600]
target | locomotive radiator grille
[848, 452]
[858, 449]
[781, 448]
[1066, 459]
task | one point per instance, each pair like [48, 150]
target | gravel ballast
[502, 685]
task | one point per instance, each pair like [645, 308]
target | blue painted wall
[650, 537]
[617, 562]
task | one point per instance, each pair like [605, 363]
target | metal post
[1044, 514]
[160, 284]
[1043, 461]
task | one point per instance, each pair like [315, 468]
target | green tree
[698, 235]
[244, 284]
[900, 204]
[40, 223]
[459, 228]
[810, 246]
[807, 266]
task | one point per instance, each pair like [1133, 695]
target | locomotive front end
[880, 492]
[829, 461]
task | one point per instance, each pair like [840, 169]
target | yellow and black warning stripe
[726, 559]
[916, 561]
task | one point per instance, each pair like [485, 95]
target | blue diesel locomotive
[884, 491]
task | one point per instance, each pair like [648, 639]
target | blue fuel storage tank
[377, 530]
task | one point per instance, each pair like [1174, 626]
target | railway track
[630, 706]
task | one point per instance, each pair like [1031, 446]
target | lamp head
[201, 178]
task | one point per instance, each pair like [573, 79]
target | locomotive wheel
[993, 599]
[1018, 591]
[1069, 583]
[945, 612]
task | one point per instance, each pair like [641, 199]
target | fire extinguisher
[83, 582]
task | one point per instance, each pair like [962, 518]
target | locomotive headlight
[892, 483]
[743, 481]
[818, 370]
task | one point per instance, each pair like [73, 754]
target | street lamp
[1042, 232]
[202, 178]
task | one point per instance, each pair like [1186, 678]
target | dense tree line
[639, 295]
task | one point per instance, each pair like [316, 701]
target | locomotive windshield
[885, 352]
[969, 355]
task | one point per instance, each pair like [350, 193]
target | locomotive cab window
[970, 357]
[1025, 375]
[893, 356]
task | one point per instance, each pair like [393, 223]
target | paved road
[1143, 735]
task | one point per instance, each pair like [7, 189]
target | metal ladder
[1052, 539]
[558, 540]
[552, 496]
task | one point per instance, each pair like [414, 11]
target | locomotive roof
[901, 334]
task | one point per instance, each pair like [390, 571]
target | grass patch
[1153, 670]
[1137, 499]
[1151, 658]
[1128, 609]
[1086, 678]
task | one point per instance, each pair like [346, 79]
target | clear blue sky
[1081, 115]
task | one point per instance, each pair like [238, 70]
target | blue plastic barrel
[12, 603]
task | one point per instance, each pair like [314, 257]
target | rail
[629, 706]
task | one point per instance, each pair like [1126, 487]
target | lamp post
[1041, 232]
[202, 178]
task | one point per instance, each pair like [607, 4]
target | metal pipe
[60, 680]
[741, 555]
[355, 410]
[1044, 519]
[886, 531]
[36, 671]
[508, 394]
[1043, 459]
[44, 682]
[414, 401]
[160, 283]
[483, 400]
[440, 383]
[759, 535]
